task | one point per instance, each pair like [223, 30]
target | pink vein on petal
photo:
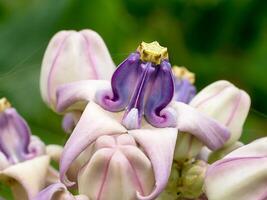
[50, 75]
[210, 97]
[90, 57]
[233, 112]
[137, 178]
[104, 178]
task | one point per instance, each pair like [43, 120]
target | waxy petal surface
[116, 170]
[26, 179]
[76, 95]
[73, 56]
[241, 175]
[159, 146]
[227, 104]
[94, 122]
[208, 131]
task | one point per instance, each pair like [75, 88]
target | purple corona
[143, 84]
[16, 142]
[184, 84]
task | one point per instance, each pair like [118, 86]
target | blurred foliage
[216, 39]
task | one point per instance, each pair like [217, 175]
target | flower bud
[227, 104]
[73, 56]
[117, 170]
[241, 175]
[187, 147]
[186, 181]
[193, 175]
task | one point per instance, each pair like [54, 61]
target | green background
[216, 39]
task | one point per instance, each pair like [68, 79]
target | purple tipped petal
[83, 135]
[159, 96]
[36, 147]
[14, 136]
[68, 123]
[123, 82]
[75, 96]
[160, 150]
[70, 120]
[207, 130]
[184, 90]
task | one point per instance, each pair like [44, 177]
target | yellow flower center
[152, 52]
[4, 104]
[183, 73]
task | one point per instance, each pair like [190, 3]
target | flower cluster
[136, 132]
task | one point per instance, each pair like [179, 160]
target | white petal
[26, 179]
[73, 56]
[226, 103]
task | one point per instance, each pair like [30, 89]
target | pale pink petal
[76, 95]
[159, 146]
[241, 175]
[73, 56]
[237, 179]
[207, 130]
[227, 104]
[93, 123]
[257, 148]
[27, 178]
[54, 151]
[116, 172]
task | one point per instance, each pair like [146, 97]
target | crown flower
[137, 103]
[24, 160]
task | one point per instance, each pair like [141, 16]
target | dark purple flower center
[143, 85]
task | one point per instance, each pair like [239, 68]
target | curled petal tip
[160, 151]
[14, 136]
[207, 130]
[227, 104]
[75, 96]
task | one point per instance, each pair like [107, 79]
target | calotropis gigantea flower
[226, 103]
[241, 175]
[135, 113]
[73, 56]
[24, 163]
[184, 84]
[58, 191]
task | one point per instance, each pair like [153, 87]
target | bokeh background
[216, 39]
